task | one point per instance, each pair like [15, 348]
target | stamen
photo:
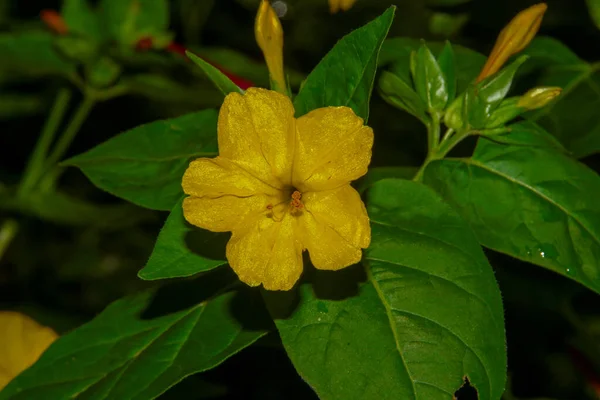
[296, 203]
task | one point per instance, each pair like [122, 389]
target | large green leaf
[345, 76]
[32, 53]
[533, 203]
[573, 117]
[183, 250]
[429, 315]
[145, 164]
[136, 350]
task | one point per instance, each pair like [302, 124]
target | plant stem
[7, 233]
[433, 133]
[71, 130]
[34, 167]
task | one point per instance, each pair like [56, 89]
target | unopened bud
[269, 36]
[539, 97]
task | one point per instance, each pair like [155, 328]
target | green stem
[7, 233]
[451, 139]
[34, 168]
[433, 133]
[71, 130]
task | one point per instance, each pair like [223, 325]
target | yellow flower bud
[269, 36]
[22, 342]
[337, 5]
[514, 38]
[538, 97]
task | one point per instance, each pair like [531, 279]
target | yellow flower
[337, 5]
[22, 342]
[514, 38]
[281, 185]
[269, 36]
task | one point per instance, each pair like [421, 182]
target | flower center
[296, 203]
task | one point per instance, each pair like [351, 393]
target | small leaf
[532, 203]
[447, 63]
[400, 94]
[172, 256]
[528, 133]
[429, 80]
[406, 333]
[145, 164]
[345, 76]
[103, 72]
[128, 21]
[81, 18]
[136, 349]
[222, 82]
[594, 9]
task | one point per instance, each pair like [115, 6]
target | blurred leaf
[531, 203]
[14, 105]
[222, 82]
[574, 116]
[128, 353]
[379, 173]
[61, 208]
[172, 256]
[104, 72]
[345, 76]
[396, 51]
[594, 9]
[81, 18]
[145, 164]
[408, 332]
[32, 54]
[447, 25]
[77, 49]
[128, 21]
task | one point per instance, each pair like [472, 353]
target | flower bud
[514, 38]
[337, 5]
[269, 36]
[539, 97]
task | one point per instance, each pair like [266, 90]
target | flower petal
[333, 149]
[219, 176]
[267, 253]
[343, 211]
[256, 131]
[225, 213]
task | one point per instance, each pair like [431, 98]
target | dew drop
[571, 271]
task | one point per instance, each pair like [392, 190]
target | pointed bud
[337, 5]
[539, 97]
[514, 38]
[269, 36]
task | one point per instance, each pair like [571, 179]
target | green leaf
[529, 202]
[594, 9]
[345, 76]
[447, 63]
[528, 133]
[16, 105]
[573, 118]
[396, 52]
[379, 173]
[32, 54]
[398, 93]
[81, 18]
[135, 349]
[104, 72]
[429, 80]
[172, 256]
[145, 164]
[222, 82]
[429, 315]
[128, 21]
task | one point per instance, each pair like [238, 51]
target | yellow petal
[269, 36]
[343, 211]
[22, 342]
[268, 253]
[256, 131]
[333, 149]
[514, 38]
[219, 176]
